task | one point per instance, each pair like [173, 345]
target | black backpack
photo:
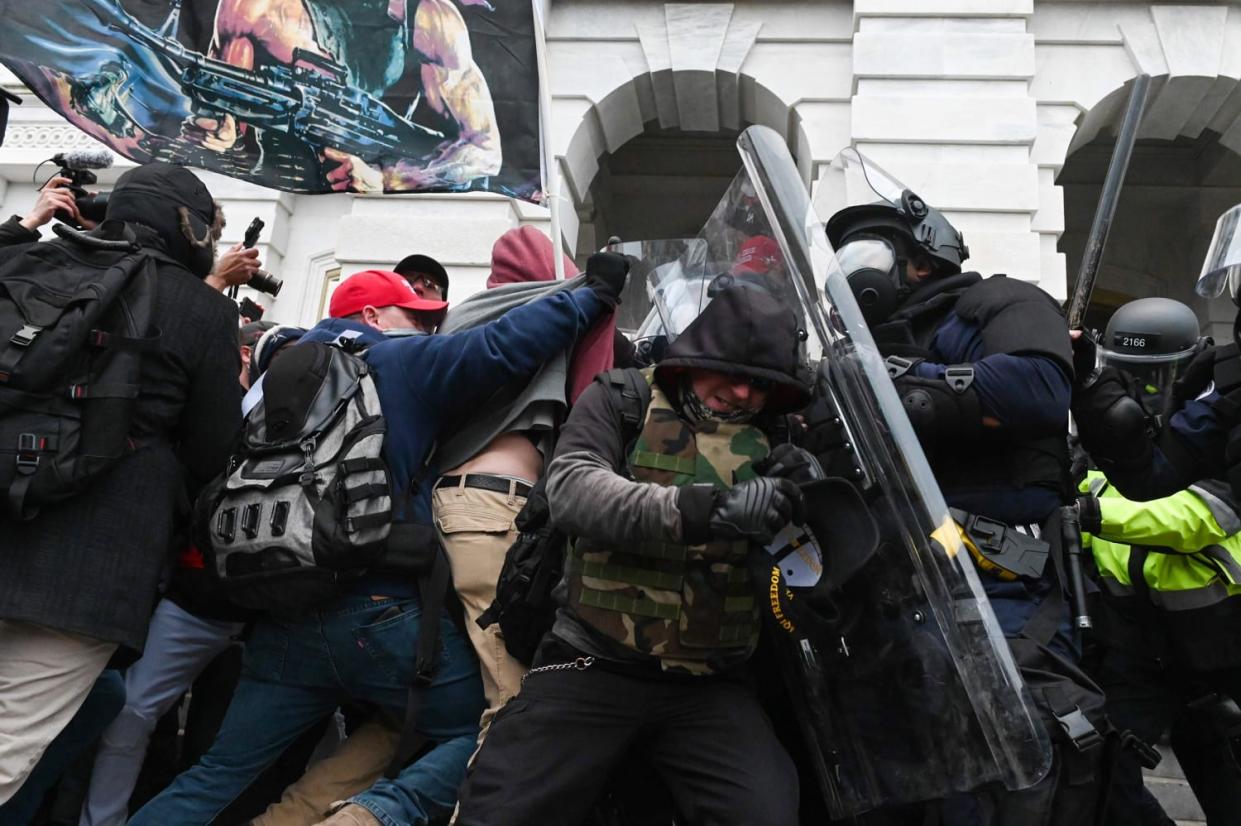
[75, 318]
[534, 563]
[306, 501]
[306, 505]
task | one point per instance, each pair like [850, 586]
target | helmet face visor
[1222, 267]
[1154, 374]
[866, 253]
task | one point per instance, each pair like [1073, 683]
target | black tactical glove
[605, 274]
[1194, 380]
[1113, 426]
[1089, 515]
[1085, 360]
[788, 461]
[756, 510]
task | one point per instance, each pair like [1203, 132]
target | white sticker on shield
[794, 549]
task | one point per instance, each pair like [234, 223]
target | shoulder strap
[114, 235]
[631, 394]
[433, 588]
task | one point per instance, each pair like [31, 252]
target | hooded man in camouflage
[655, 479]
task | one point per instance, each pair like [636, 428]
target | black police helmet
[1153, 339]
[1157, 328]
[914, 220]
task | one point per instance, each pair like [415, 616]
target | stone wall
[976, 104]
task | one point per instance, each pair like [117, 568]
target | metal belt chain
[580, 664]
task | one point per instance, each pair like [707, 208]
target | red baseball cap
[378, 288]
[758, 255]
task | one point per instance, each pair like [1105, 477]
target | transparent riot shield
[667, 288]
[1221, 269]
[903, 684]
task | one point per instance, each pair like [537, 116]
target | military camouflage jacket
[633, 589]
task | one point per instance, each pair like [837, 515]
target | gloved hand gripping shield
[899, 673]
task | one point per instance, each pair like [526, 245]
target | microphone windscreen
[92, 158]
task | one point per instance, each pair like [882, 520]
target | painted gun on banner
[309, 100]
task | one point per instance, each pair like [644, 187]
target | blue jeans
[296, 672]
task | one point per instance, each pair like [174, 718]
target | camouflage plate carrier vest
[692, 606]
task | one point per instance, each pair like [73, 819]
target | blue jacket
[1026, 393]
[426, 382]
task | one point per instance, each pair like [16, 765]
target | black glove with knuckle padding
[787, 461]
[605, 274]
[757, 509]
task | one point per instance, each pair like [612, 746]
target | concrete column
[942, 102]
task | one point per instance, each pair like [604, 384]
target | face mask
[696, 410]
[405, 332]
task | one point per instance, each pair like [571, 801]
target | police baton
[1071, 532]
[1108, 199]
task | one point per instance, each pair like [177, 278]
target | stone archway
[678, 115]
[1185, 168]
[1184, 172]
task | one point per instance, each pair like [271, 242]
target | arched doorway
[640, 167]
[661, 184]
[1184, 172]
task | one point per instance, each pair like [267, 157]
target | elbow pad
[938, 409]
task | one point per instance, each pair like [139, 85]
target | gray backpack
[306, 502]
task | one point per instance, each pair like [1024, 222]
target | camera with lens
[77, 166]
[263, 281]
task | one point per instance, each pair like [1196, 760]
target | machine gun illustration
[309, 100]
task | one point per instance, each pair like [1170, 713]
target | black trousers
[1150, 700]
[551, 749]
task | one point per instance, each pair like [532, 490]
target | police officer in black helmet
[1153, 340]
[1199, 436]
[983, 367]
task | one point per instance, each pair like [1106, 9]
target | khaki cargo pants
[477, 529]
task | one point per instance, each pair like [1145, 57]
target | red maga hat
[759, 255]
[378, 288]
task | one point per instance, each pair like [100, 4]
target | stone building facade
[1000, 112]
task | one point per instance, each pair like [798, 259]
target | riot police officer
[1199, 437]
[1133, 411]
[1163, 645]
[983, 367]
[1151, 341]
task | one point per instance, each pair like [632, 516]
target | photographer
[80, 577]
[53, 197]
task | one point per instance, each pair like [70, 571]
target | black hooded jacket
[742, 331]
[91, 565]
[175, 204]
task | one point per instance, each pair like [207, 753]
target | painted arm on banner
[454, 86]
[248, 32]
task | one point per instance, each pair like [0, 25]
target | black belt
[493, 483]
